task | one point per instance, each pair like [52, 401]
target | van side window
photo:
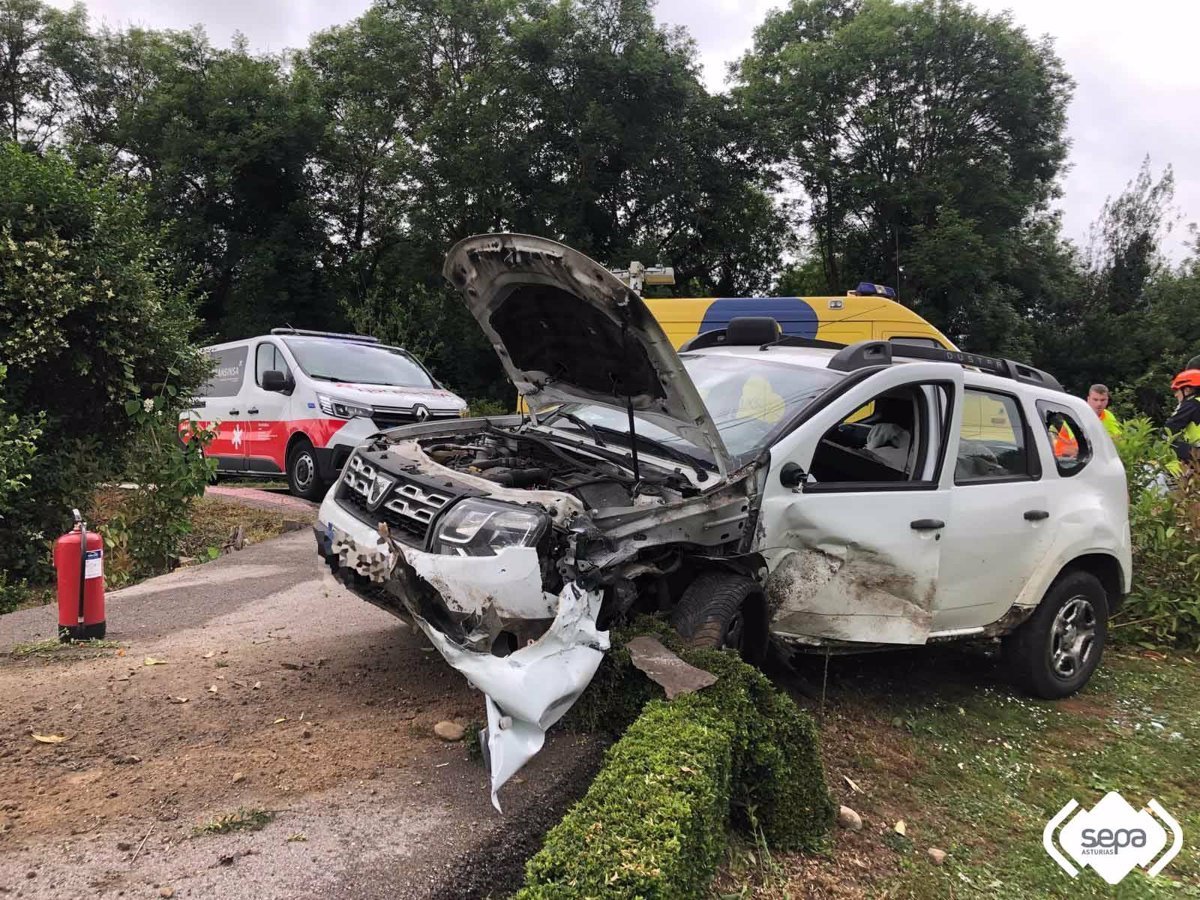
[1072, 450]
[991, 440]
[894, 441]
[227, 377]
[268, 359]
[916, 342]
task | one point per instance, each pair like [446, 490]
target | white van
[297, 402]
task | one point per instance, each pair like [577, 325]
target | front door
[268, 415]
[855, 547]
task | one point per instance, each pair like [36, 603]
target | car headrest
[746, 330]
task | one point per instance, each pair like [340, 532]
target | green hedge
[653, 823]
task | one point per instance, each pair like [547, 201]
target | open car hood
[569, 331]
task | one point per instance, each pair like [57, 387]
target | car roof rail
[884, 353]
[337, 335]
[752, 331]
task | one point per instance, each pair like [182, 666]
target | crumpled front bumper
[526, 691]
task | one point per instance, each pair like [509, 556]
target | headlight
[485, 527]
[341, 409]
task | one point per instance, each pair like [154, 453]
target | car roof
[819, 358]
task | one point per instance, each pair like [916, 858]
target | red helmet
[1186, 378]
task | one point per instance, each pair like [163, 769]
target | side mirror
[277, 382]
[792, 475]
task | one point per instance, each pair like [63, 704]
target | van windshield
[750, 401]
[353, 363]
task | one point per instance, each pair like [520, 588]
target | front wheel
[720, 609]
[1056, 650]
[304, 479]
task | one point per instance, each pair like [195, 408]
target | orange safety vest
[1065, 444]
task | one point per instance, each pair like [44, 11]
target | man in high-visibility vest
[1097, 399]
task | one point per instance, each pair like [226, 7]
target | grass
[242, 819]
[55, 647]
[976, 769]
[214, 520]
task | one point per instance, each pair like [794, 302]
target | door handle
[926, 524]
[253, 410]
[1036, 515]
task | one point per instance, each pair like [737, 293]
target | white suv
[777, 487]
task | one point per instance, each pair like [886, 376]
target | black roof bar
[361, 338]
[882, 353]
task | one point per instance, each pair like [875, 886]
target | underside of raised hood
[568, 330]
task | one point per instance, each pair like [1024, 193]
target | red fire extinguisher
[79, 562]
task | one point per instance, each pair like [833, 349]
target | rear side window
[1072, 450]
[991, 441]
[227, 377]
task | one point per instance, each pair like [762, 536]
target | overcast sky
[1134, 63]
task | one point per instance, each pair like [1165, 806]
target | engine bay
[525, 459]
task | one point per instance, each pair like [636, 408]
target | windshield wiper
[699, 466]
[584, 426]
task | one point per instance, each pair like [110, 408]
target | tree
[926, 136]
[89, 322]
[37, 43]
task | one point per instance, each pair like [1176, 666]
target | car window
[892, 440]
[268, 359]
[992, 440]
[1071, 448]
[230, 369]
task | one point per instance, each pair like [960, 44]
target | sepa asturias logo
[1113, 838]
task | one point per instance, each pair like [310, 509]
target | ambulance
[870, 312]
[295, 403]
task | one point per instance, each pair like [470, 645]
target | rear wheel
[304, 478]
[1056, 650]
[719, 610]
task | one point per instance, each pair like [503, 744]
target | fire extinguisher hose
[82, 565]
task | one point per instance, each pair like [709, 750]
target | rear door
[223, 404]
[855, 548]
[268, 414]
[1001, 511]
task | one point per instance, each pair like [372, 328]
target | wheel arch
[1107, 569]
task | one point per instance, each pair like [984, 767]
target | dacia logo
[1112, 838]
[378, 486]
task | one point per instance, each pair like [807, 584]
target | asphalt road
[274, 690]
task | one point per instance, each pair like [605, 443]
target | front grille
[393, 417]
[408, 505]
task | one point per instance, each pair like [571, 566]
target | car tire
[722, 610]
[1056, 650]
[304, 478]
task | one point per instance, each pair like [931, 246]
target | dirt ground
[254, 683]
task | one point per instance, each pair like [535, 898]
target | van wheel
[304, 478]
[721, 610]
[1056, 650]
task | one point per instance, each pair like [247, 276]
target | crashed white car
[751, 486]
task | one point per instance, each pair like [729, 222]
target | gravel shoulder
[277, 690]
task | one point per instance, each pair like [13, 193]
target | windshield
[749, 399]
[354, 363]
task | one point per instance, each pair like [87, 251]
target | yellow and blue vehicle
[869, 313]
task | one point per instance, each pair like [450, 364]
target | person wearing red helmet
[1186, 388]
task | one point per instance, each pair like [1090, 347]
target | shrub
[653, 822]
[88, 320]
[1163, 608]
